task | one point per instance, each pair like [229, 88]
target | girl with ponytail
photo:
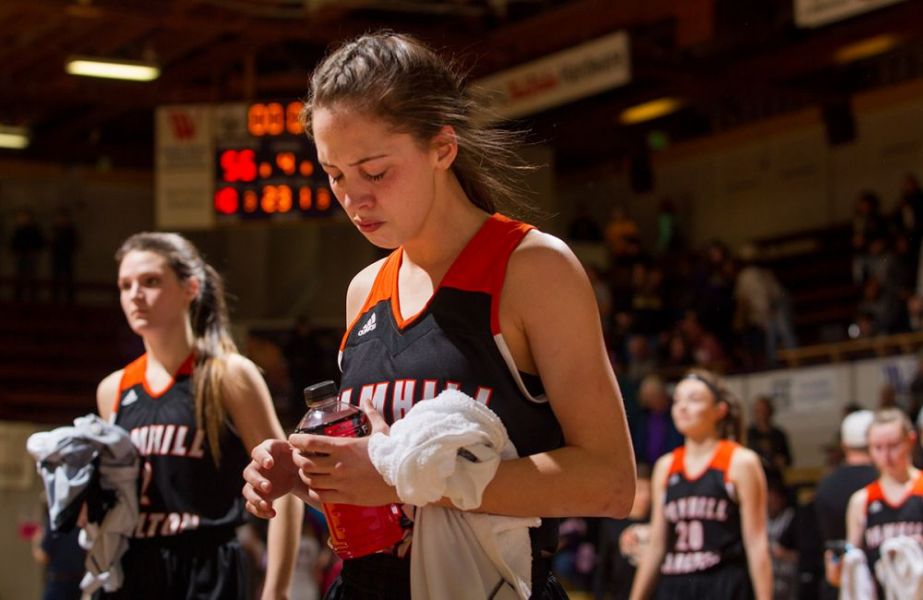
[708, 526]
[194, 408]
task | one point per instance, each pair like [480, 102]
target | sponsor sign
[584, 70]
[814, 13]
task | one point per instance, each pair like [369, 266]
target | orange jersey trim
[874, 492]
[498, 237]
[135, 373]
[720, 461]
[475, 269]
[382, 289]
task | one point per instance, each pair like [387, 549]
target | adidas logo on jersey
[129, 398]
[369, 326]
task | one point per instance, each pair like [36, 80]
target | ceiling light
[13, 137]
[650, 110]
[132, 70]
[866, 48]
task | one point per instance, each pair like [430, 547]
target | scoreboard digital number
[273, 172]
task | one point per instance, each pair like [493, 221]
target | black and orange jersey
[180, 489]
[453, 342]
[702, 516]
[884, 520]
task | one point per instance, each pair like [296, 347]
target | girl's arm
[747, 474]
[550, 321]
[855, 529]
[649, 569]
[247, 401]
[107, 393]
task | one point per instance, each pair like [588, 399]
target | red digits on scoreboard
[238, 165]
[226, 201]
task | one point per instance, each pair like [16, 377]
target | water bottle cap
[320, 391]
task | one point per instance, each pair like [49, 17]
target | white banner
[814, 13]
[184, 166]
[873, 376]
[584, 70]
[809, 405]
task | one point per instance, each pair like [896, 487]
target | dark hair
[767, 400]
[208, 315]
[398, 79]
[731, 427]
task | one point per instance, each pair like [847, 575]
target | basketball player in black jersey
[708, 526]
[193, 407]
[890, 506]
[469, 299]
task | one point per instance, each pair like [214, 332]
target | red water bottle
[354, 530]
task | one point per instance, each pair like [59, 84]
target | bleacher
[53, 356]
[815, 266]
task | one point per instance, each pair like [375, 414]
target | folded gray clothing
[69, 459]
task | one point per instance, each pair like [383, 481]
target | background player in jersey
[194, 407]
[469, 298]
[708, 527]
[892, 505]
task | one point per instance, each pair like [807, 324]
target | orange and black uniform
[184, 545]
[705, 555]
[884, 520]
[453, 342]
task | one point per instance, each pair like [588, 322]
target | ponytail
[213, 342]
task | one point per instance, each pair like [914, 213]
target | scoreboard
[236, 162]
[273, 172]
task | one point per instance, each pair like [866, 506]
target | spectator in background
[62, 557]
[305, 358]
[622, 543]
[64, 243]
[783, 539]
[880, 264]
[833, 492]
[916, 391]
[908, 216]
[914, 314]
[865, 326]
[763, 311]
[668, 235]
[704, 347]
[904, 274]
[868, 225]
[584, 227]
[26, 243]
[881, 304]
[677, 352]
[714, 286]
[622, 235]
[653, 431]
[640, 359]
[768, 441]
[603, 297]
[647, 300]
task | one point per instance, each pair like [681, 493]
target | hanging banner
[184, 154]
[578, 72]
[814, 13]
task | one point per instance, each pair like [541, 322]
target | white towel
[900, 568]
[856, 578]
[66, 459]
[450, 446]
